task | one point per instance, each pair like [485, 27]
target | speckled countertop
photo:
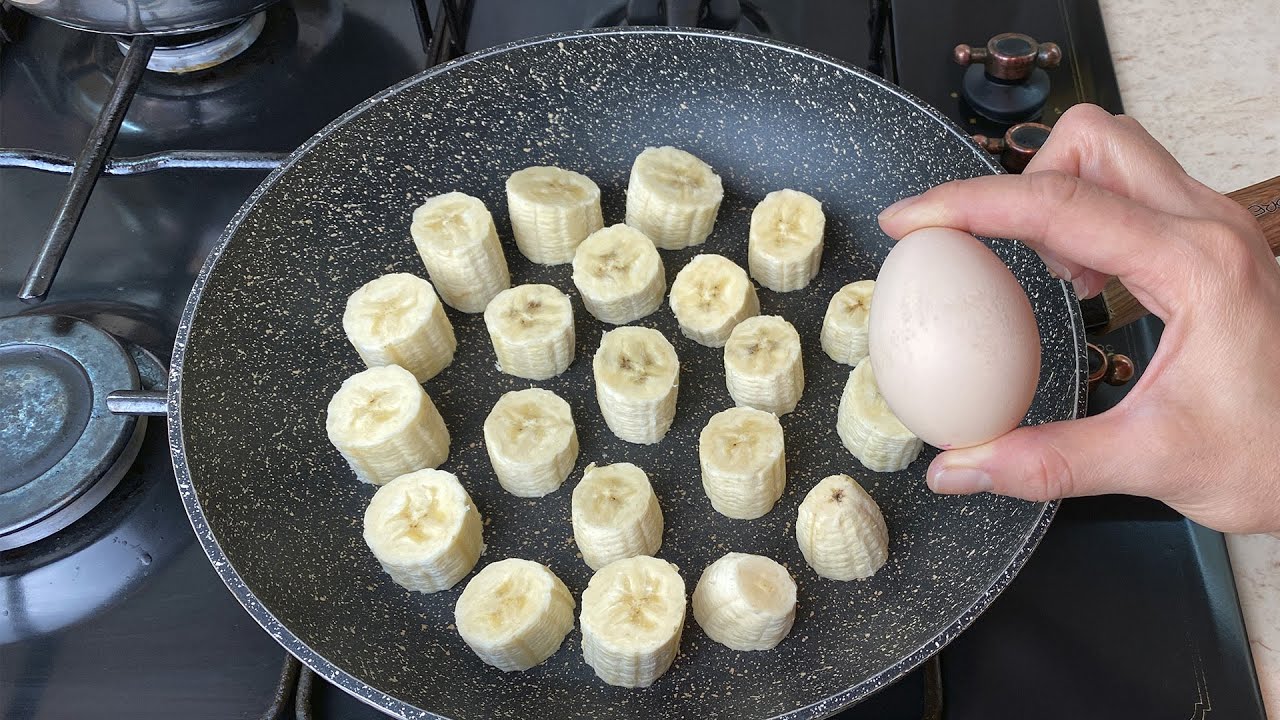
[1204, 78]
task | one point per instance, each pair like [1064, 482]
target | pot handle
[1115, 307]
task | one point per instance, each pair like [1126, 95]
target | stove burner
[62, 450]
[201, 50]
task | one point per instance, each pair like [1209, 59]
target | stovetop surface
[1127, 610]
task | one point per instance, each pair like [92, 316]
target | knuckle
[1083, 119]
[1049, 477]
[1050, 188]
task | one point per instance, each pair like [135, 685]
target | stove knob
[1018, 145]
[1106, 366]
[1006, 82]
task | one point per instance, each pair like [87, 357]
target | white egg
[953, 339]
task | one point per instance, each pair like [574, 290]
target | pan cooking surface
[280, 513]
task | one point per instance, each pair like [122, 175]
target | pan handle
[138, 402]
[1116, 307]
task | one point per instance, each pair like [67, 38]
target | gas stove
[133, 153]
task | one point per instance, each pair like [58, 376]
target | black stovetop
[1126, 610]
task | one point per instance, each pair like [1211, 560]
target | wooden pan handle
[1118, 306]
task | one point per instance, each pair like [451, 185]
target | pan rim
[381, 700]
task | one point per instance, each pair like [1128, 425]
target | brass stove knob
[1019, 144]
[1010, 56]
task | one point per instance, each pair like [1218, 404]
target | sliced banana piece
[514, 614]
[619, 274]
[633, 613]
[673, 197]
[743, 460]
[398, 320]
[615, 514]
[458, 242]
[841, 531]
[745, 602]
[762, 364]
[869, 429]
[710, 296]
[552, 210]
[531, 441]
[637, 377]
[424, 530]
[385, 425]
[784, 245]
[844, 327]
[531, 327]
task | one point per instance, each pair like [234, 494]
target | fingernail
[1056, 268]
[960, 481]
[1081, 288]
[898, 207]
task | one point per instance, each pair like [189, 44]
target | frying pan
[260, 350]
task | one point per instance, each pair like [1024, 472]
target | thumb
[1042, 462]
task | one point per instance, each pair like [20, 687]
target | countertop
[1204, 78]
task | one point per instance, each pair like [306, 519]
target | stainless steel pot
[142, 17]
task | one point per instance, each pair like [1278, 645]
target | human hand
[1200, 430]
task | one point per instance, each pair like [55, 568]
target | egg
[953, 339]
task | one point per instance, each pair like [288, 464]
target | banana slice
[710, 296]
[745, 602]
[632, 616]
[762, 364]
[637, 377]
[841, 531]
[531, 441]
[869, 429]
[514, 614]
[398, 320]
[552, 210]
[673, 197]
[424, 530]
[458, 242]
[784, 245]
[619, 274]
[615, 514]
[844, 327]
[385, 425]
[744, 466]
[531, 327]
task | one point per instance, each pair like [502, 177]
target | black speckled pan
[261, 350]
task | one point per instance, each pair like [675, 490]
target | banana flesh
[673, 197]
[745, 602]
[552, 210]
[844, 327]
[531, 327]
[619, 274]
[710, 296]
[784, 245]
[514, 614]
[615, 514]
[424, 530]
[633, 613]
[531, 441]
[398, 320]
[869, 429]
[384, 425]
[458, 243]
[637, 377]
[762, 364]
[743, 460]
[840, 530]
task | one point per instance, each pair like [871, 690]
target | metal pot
[142, 17]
